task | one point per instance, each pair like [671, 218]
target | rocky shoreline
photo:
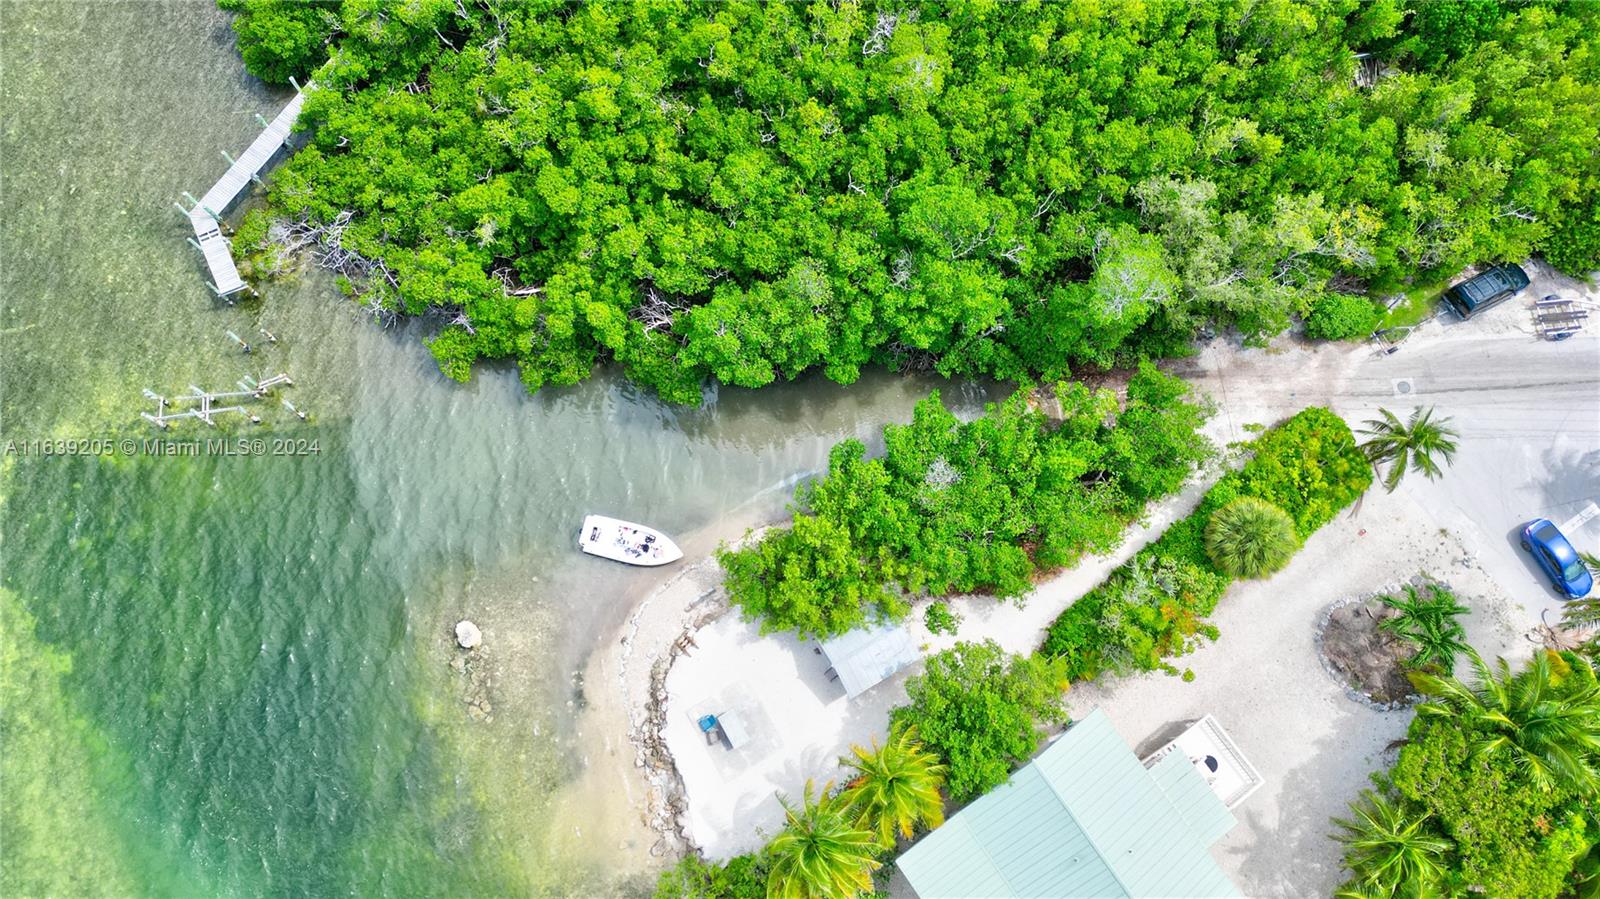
[661, 629]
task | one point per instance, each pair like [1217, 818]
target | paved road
[1528, 412]
[1529, 416]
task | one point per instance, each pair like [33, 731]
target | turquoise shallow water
[226, 675]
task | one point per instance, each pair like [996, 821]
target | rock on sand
[468, 635]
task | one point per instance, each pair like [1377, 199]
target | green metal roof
[1085, 819]
[1183, 783]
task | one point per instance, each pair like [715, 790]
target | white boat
[624, 541]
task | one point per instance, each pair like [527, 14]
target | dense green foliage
[747, 191]
[741, 877]
[1429, 620]
[1462, 780]
[894, 788]
[981, 710]
[283, 39]
[1154, 606]
[1250, 538]
[1418, 444]
[958, 507]
[1341, 316]
[1576, 247]
[1545, 719]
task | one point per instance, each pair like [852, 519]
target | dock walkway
[207, 211]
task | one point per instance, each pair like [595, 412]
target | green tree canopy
[981, 710]
[961, 507]
[748, 191]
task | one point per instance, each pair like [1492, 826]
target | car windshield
[1572, 572]
[1544, 534]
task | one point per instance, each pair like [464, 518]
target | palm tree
[1429, 623]
[1579, 613]
[1390, 853]
[1547, 717]
[1250, 537]
[895, 787]
[1409, 445]
[820, 854]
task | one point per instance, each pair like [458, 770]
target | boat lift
[203, 405]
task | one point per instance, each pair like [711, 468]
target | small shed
[862, 659]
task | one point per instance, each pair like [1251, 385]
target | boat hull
[626, 542]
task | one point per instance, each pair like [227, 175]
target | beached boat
[624, 541]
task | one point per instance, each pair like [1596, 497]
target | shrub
[1510, 837]
[280, 39]
[1150, 608]
[1574, 245]
[251, 235]
[1154, 606]
[963, 507]
[980, 709]
[1309, 466]
[1470, 773]
[1250, 538]
[741, 877]
[1342, 316]
[1429, 621]
[808, 577]
[939, 619]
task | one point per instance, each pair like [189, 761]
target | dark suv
[1476, 294]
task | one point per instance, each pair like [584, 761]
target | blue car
[1558, 559]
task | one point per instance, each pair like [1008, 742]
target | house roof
[1183, 783]
[866, 657]
[1085, 819]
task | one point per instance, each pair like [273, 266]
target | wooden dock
[207, 211]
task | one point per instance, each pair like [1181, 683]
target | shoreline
[628, 706]
[1250, 387]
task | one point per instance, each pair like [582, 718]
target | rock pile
[1368, 661]
[668, 811]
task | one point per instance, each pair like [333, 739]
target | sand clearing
[1526, 412]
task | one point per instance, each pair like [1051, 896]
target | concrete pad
[799, 720]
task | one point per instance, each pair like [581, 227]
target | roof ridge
[1067, 806]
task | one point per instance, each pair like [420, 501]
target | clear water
[228, 675]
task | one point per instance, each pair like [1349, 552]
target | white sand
[1263, 681]
[1528, 415]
